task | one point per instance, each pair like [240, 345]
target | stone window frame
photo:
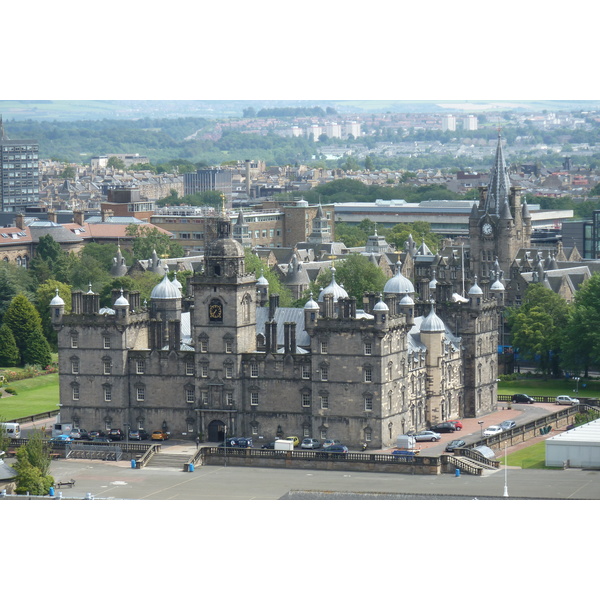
[305, 398]
[190, 394]
[324, 400]
[324, 371]
[190, 368]
[254, 398]
[106, 341]
[229, 369]
[140, 393]
[306, 370]
[204, 369]
[228, 343]
[74, 338]
[75, 391]
[203, 343]
[140, 366]
[368, 402]
[367, 374]
[107, 365]
[254, 371]
[107, 392]
[75, 365]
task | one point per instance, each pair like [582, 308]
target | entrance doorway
[216, 431]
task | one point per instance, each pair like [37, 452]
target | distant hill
[75, 110]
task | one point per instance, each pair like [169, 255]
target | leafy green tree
[351, 235]
[22, 318]
[9, 353]
[255, 265]
[357, 274]
[582, 342]
[13, 280]
[420, 231]
[37, 350]
[33, 467]
[147, 239]
[50, 261]
[539, 326]
[116, 163]
[68, 172]
[43, 297]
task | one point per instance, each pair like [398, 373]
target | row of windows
[190, 397]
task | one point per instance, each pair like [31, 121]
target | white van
[12, 430]
[284, 445]
[61, 429]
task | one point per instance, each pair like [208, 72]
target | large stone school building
[228, 360]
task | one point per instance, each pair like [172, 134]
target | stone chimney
[20, 221]
[106, 215]
[78, 217]
[51, 215]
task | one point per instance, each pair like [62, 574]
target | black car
[454, 444]
[116, 435]
[102, 439]
[443, 428]
[335, 449]
[138, 434]
[269, 446]
[522, 399]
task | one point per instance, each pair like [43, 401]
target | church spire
[499, 186]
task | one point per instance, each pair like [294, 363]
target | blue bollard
[457, 473]
[191, 468]
[133, 463]
[51, 492]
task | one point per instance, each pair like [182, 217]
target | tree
[582, 343]
[255, 265]
[22, 318]
[50, 261]
[9, 353]
[68, 172]
[148, 239]
[43, 297]
[539, 326]
[420, 232]
[116, 163]
[33, 466]
[37, 350]
[357, 274]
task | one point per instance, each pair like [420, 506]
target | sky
[462, 50]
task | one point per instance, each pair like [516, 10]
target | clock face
[215, 312]
[487, 229]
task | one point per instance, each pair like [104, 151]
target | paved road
[120, 481]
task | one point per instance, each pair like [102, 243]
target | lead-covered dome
[398, 284]
[432, 323]
[333, 288]
[165, 290]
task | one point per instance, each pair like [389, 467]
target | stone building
[222, 362]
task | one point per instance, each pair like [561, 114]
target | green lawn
[35, 395]
[550, 387]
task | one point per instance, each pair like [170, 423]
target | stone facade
[220, 363]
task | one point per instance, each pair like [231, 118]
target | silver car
[506, 425]
[427, 436]
[310, 444]
[566, 400]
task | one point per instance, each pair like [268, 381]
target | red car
[456, 424]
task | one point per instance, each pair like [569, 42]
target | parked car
[405, 452]
[61, 440]
[160, 435]
[243, 442]
[444, 428]
[138, 434]
[454, 444]
[310, 443]
[336, 449]
[294, 439]
[268, 446]
[566, 400]
[116, 435]
[328, 443]
[427, 436]
[458, 424]
[506, 425]
[102, 439]
[522, 399]
[79, 434]
[492, 430]
[96, 434]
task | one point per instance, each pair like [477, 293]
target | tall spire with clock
[499, 226]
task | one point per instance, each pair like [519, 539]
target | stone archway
[216, 431]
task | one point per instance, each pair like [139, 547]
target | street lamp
[480, 423]
[576, 379]
[505, 472]
[225, 445]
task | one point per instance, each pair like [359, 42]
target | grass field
[550, 387]
[35, 395]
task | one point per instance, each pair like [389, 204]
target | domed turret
[398, 284]
[432, 323]
[333, 288]
[165, 290]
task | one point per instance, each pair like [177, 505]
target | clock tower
[499, 225]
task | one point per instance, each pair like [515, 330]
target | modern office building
[205, 180]
[19, 173]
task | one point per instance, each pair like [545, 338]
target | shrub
[12, 391]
